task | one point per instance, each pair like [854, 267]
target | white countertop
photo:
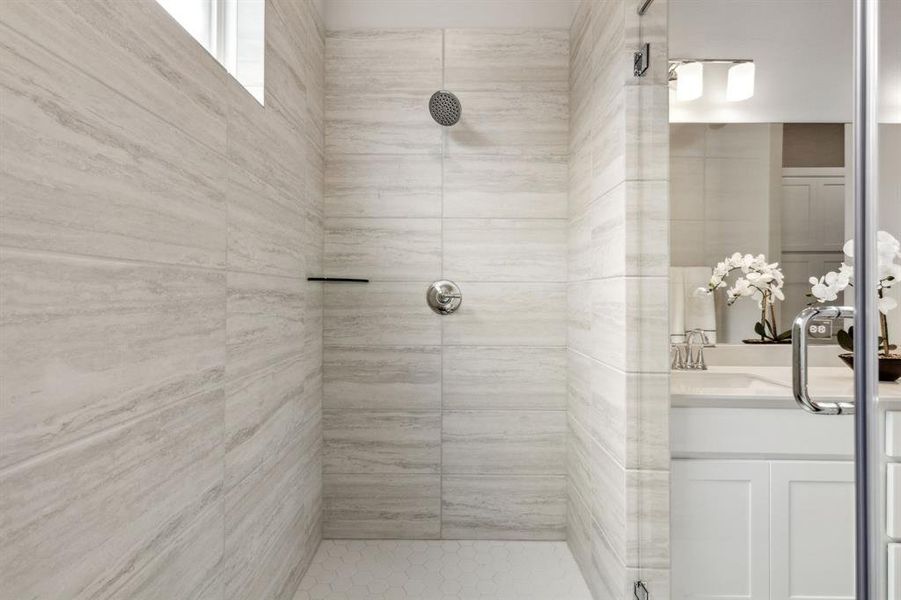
[766, 387]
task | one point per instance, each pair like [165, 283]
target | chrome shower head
[445, 108]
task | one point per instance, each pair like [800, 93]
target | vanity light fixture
[686, 77]
[740, 81]
[689, 78]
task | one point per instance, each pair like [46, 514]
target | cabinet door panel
[812, 518]
[720, 530]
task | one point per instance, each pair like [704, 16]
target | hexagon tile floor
[442, 570]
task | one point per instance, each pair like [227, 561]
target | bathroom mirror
[777, 189]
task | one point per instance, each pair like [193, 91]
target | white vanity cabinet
[761, 530]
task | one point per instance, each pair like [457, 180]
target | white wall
[890, 202]
[802, 50]
[392, 14]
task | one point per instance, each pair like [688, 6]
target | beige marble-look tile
[630, 416]
[736, 140]
[380, 122]
[578, 317]
[134, 512]
[379, 314]
[527, 250]
[535, 315]
[632, 509]
[363, 60]
[88, 344]
[253, 132]
[374, 506]
[509, 508]
[383, 249]
[579, 177]
[647, 131]
[372, 378]
[579, 457]
[579, 256]
[578, 536]
[504, 187]
[506, 59]
[265, 321]
[294, 74]
[373, 185]
[137, 49]
[273, 527]
[630, 230]
[511, 123]
[511, 442]
[607, 143]
[381, 441]
[504, 378]
[269, 414]
[629, 323]
[264, 228]
[579, 370]
[84, 169]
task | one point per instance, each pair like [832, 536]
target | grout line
[441, 377]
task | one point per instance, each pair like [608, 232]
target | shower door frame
[871, 583]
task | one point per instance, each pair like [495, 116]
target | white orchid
[888, 251]
[760, 280]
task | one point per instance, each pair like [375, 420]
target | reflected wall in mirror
[777, 189]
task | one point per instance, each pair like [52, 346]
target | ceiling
[393, 14]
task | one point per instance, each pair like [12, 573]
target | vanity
[762, 490]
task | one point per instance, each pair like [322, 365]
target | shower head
[445, 108]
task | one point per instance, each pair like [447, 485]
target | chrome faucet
[695, 358]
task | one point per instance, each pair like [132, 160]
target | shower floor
[442, 570]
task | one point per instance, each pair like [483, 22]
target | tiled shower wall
[160, 429]
[617, 348]
[446, 426]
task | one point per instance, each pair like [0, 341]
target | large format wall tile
[264, 414]
[374, 506]
[504, 442]
[527, 508]
[503, 314]
[483, 203]
[265, 321]
[525, 250]
[272, 528]
[387, 122]
[136, 49]
[93, 173]
[383, 249]
[157, 224]
[504, 187]
[381, 442]
[120, 514]
[383, 59]
[523, 60]
[265, 228]
[508, 378]
[379, 314]
[88, 344]
[374, 185]
[372, 378]
[511, 123]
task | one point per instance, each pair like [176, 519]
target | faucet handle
[677, 355]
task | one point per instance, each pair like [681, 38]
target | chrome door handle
[799, 359]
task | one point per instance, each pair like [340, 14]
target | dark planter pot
[764, 342]
[889, 367]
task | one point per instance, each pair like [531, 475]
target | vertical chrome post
[866, 358]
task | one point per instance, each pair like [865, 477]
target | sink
[725, 384]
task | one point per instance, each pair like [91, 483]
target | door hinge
[641, 60]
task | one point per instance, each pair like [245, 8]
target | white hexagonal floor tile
[435, 570]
